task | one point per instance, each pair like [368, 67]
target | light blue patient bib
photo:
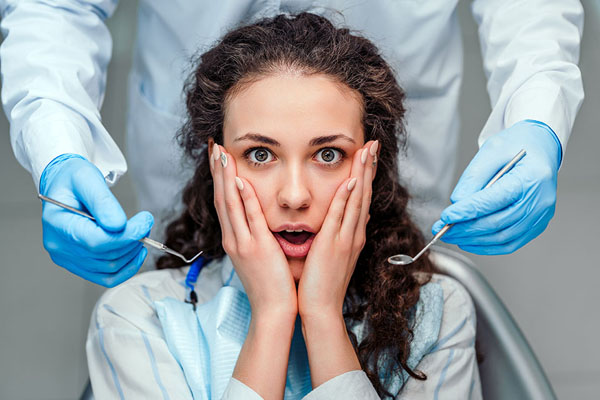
[207, 343]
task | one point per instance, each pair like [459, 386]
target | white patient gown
[130, 357]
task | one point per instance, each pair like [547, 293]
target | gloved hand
[518, 207]
[105, 251]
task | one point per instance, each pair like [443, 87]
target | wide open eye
[329, 156]
[259, 155]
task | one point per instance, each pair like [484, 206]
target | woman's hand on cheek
[333, 254]
[257, 257]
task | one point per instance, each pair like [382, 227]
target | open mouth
[294, 243]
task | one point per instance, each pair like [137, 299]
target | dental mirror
[403, 259]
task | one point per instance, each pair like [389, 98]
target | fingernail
[351, 184]
[373, 149]
[374, 160]
[363, 156]
[223, 160]
[239, 183]
[216, 152]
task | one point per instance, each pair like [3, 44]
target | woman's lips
[294, 250]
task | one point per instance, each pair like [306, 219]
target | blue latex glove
[518, 207]
[105, 251]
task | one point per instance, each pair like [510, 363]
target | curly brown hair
[380, 294]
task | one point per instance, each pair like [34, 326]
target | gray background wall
[550, 285]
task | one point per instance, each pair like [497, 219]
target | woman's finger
[254, 214]
[219, 190]
[354, 204]
[232, 199]
[370, 168]
[335, 214]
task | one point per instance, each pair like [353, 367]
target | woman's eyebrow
[316, 141]
[319, 140]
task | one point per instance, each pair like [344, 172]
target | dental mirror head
[400, 259]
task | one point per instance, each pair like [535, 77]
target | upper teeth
[291, 230]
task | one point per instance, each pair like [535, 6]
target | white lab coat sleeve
[53, 63]
[451, 366]
[530, 53]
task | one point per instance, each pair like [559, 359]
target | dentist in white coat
[55, 55]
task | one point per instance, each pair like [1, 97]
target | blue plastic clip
[192, 277]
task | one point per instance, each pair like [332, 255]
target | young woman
[294, 129]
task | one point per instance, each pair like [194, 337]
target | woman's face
[293, 138]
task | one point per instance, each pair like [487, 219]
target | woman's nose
[294, 192]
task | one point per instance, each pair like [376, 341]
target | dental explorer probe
[147, 241]
[403, 259]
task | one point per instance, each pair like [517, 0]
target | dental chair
[509, 369]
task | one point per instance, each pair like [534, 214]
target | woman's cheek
[328, 186]
[264, 187]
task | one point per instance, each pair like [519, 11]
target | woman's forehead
[302, 107]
